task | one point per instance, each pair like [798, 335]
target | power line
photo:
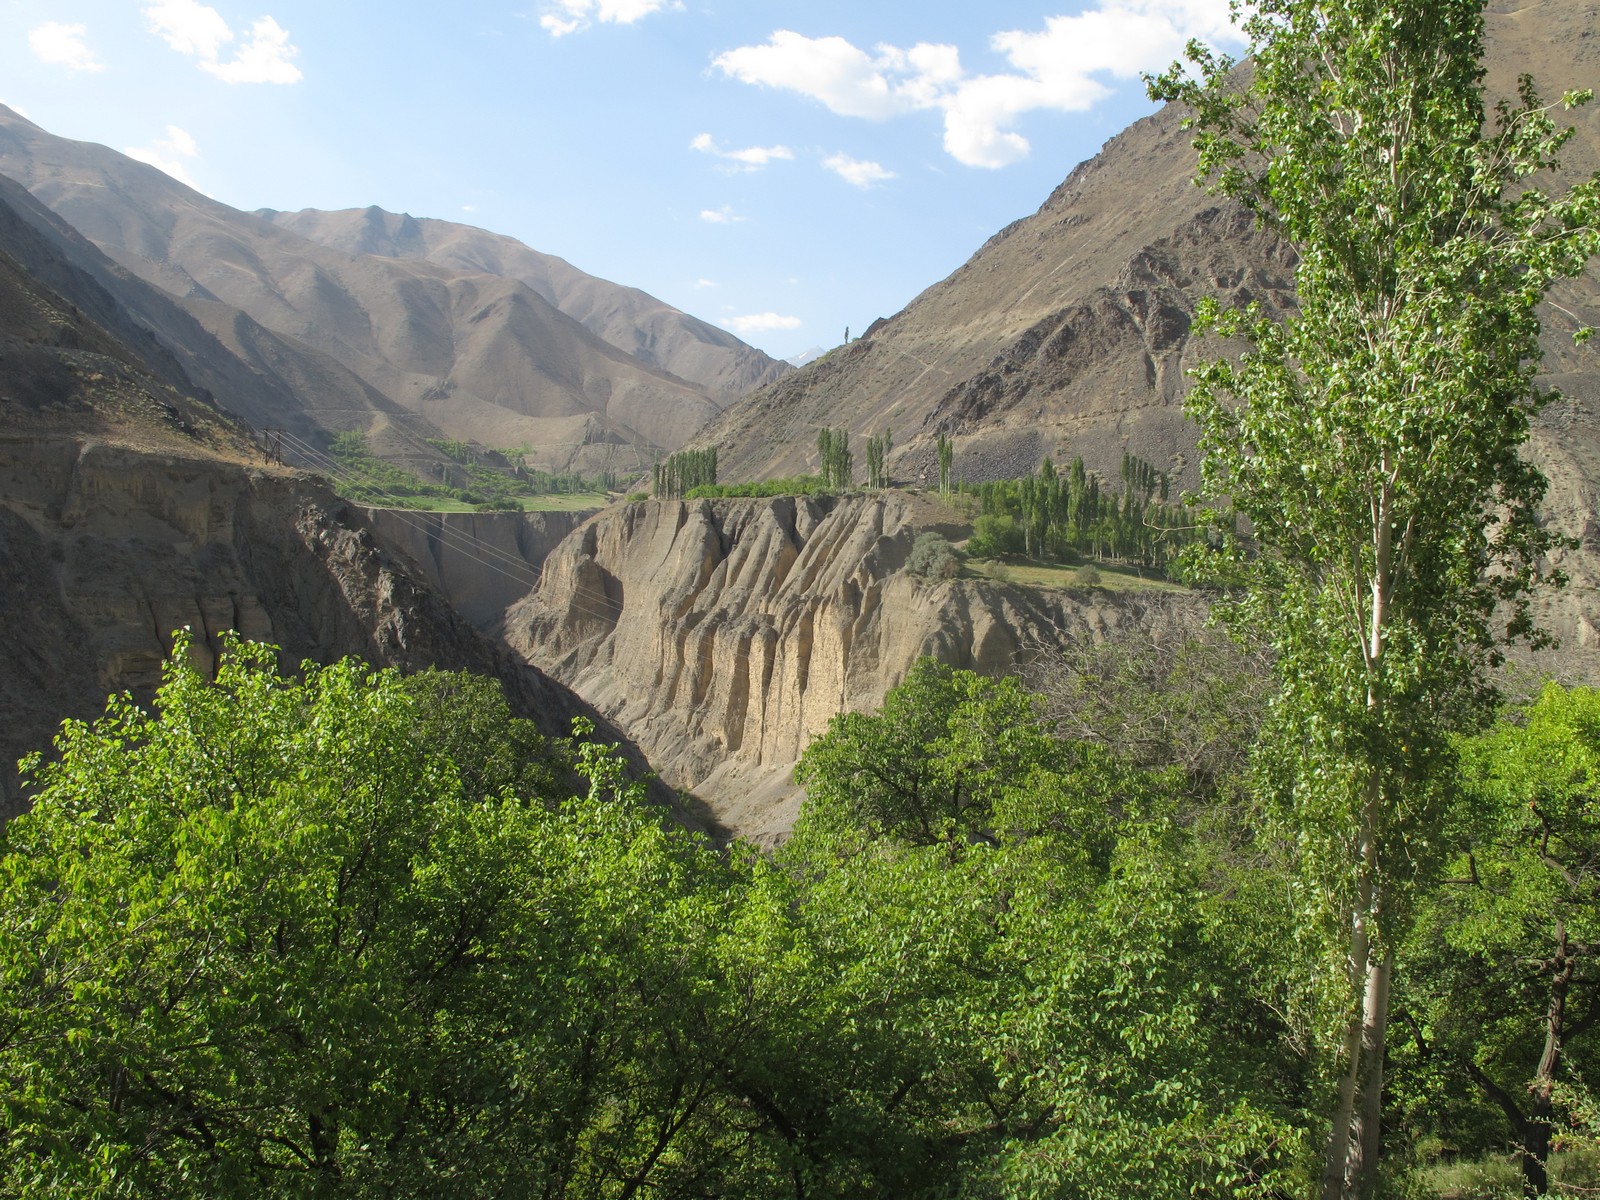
[465, 543]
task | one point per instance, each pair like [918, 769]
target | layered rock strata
[721, 636]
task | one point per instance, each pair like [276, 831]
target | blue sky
[785, 170]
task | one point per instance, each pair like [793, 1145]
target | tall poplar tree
[1373, 439]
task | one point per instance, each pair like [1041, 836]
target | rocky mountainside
[257, 371]
[416, 348]
[130, 506]
[631, 320]
[723, 635]
[1067, 333]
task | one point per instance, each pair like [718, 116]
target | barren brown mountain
[629, 319]
[1068, 331]
[448, 347]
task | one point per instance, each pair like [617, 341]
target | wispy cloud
[1061, 68]
[861, 173]
[63, 45]
[705, 283]
[751, 158]
[570, 16]
[720, 216]
[760, 323]
[168, 154]
[199, 31]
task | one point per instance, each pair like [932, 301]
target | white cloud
[167, 154]
[846, 79]
[265, 58]
[199, 31]
[63, 45]
[760, 323]
[862, 173]
[569, 16]
[719, 216]
[189, 27]
[705, 283]
[751, 158]
[1062, 68]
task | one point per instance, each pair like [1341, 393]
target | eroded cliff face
[721, 636]
[106, 549]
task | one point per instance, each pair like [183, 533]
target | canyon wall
[484, 562]
[106, 549]
[722, 635]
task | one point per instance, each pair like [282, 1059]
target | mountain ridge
[467, 354]
[628, 318]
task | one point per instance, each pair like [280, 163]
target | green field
[1113, 578]
[552, 502]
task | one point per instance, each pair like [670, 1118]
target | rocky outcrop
[722, 635]
[482, 562]
[106, 549]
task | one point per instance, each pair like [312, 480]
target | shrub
[933, 556]
[1087, 576]
[994, 534]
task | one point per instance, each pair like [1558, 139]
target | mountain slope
[631, 320]
[261, 375]
[1068, 332]
[476, 355]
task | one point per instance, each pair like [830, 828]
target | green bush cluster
[795, 485]
[933, 556]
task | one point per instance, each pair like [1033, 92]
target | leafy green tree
[928, 765]
[1048, 929]
[994, 535]
[1505, 970]
[835, 458]
[270, 941]
[1372, 439]
[878, 460]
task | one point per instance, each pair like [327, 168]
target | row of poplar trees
[686, 469]
[1069, 515]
